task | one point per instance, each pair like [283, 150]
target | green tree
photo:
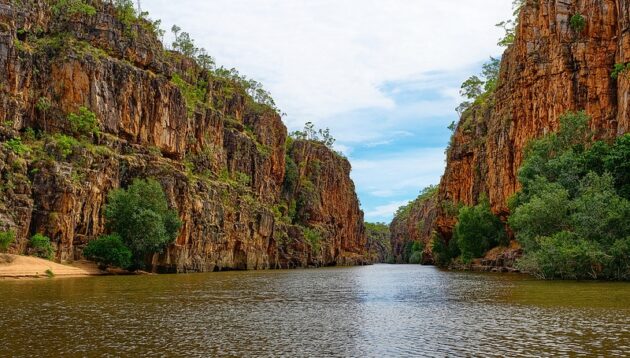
[109, 250]
[571, 216]
[141, 217]
[6, 239]
[84, 122]
[41, 247]
[478, 230]
[443, 252]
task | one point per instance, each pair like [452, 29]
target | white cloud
[380, 74]
[381, 211]
[398, 173]
[324, 57]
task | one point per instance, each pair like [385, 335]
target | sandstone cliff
[220, 156]
[550, 69]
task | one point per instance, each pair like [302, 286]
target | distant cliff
[221, 156]
[551, 68]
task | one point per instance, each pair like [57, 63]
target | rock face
[410, 225]
[550, 69]
[220, 156]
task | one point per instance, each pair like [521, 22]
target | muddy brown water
[373, 311]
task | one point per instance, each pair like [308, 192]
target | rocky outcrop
[219, 155]
[410, 225]
[550, 69]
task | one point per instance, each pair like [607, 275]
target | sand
[14, 266]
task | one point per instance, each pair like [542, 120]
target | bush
[83, 122]
[108, 250]
[416, 257]
[16, 146]
[72, 7]
[578, 23]
[478, 230]
[41, 246]
[6, 239]
[314, 237]
[64, 144]
[571, 215]
[141, 217]
[443, 252]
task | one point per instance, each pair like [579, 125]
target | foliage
[314, 237]
[291, 175]
[141, 217]
[109, 250]
[618, 69]
[509, 26]
[403, 212]
[43, 104]
[6, 239]
[41, 246]
[125, 13]
[16, 146]
[478, 230]
[415, 252]
[477, 89]
[49, 273]
[68, 8]
[84, 122]
[571, 215]
[310, 133]
[378, 241]
[194, 95]
[577, 23]
[443, 251]
[64, 144]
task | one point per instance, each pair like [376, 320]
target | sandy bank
[14, 266]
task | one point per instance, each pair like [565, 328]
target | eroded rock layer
[550, 69]
[220, 156]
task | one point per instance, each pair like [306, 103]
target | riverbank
[19, 267]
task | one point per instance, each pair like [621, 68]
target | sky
[383, 75]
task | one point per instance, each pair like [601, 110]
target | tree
[571, 216]
[6, 239]
[316, 135]
[84, 122]
[472, 88]
[41, 246]
[108, 250]
[478, 230]
[141, 217]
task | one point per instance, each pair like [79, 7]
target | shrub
[16, 146]
[6, 239]
[314, 237]
[141, 217]
[618, 69]
[108, 250]
[41, 246]
[578, 23]
[478, 230]
[571, 215]
[73, 7]
[64, 144]
[416, 257]
[443, 251]
[83, 122]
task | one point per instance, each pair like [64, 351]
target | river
[372, 311]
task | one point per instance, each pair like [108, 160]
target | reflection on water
[375, 311]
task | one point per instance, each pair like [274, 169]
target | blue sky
[383, 75]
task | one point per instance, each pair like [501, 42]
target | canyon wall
[551, 68]
[220, 156]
